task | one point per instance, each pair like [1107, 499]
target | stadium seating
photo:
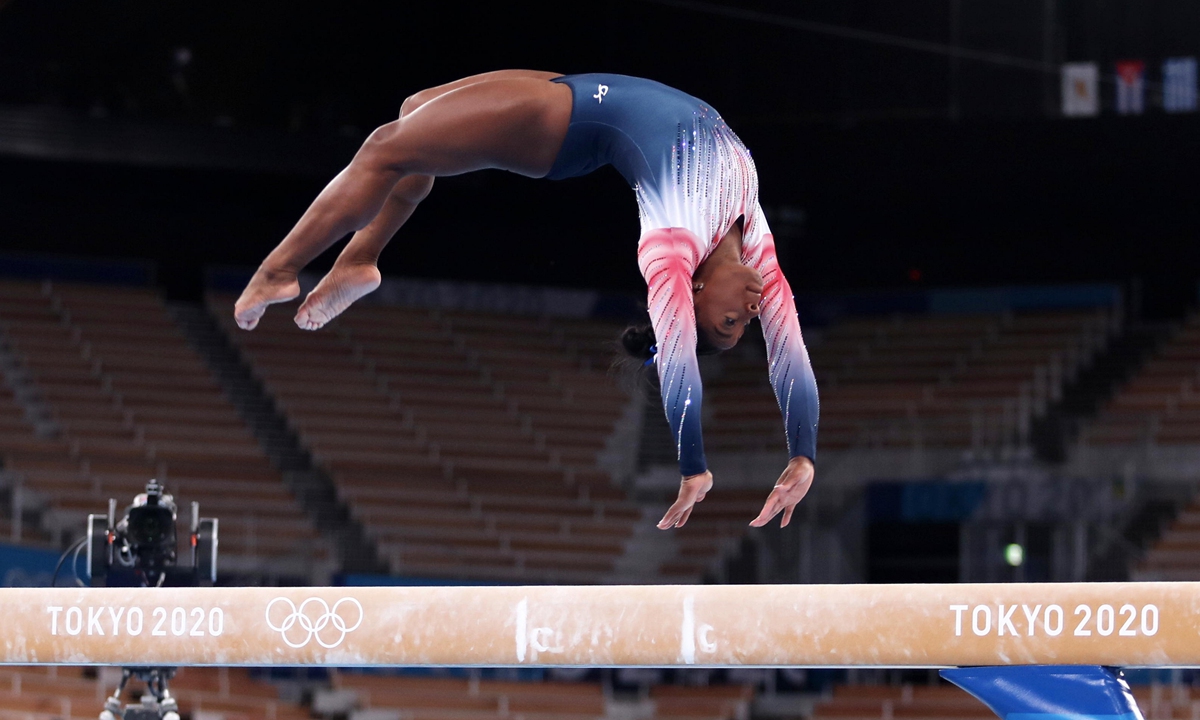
[466, 444]
[906, 382]
[1160, 408]
[957, 381]
[66, 693]
[1161, 405]
[436, 698]
[111, 395]
[1176, 554]
[71, 693]
[887, 702]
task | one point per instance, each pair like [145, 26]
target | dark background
[882, 166]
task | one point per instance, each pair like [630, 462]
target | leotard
[693, 179]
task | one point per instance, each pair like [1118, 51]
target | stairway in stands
[312, 486]
[1156, 415]
[1094, 386]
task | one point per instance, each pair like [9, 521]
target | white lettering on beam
[1100, 618]
[1030, 617]
[207, 623]
[692, 635]
[532, 641]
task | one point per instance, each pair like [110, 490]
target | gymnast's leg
[356, 272]
[515, 124]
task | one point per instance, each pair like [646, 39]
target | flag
[1131, 87]
[1179, 84]
[1080, 96]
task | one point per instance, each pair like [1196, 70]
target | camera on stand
[141, 550]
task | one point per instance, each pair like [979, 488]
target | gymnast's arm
[791, 376]
[667, 259]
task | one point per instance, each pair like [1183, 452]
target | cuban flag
[1131, 87]
[1179, 84]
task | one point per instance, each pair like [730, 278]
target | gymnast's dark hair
[637, 341]
[634, 368]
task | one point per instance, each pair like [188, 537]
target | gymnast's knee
[414, 101]
[414, 188]
[385, 150]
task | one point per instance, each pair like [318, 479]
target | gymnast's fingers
[674, 512]
[770, 509]
[692, 490]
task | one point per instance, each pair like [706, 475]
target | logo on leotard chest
[601, 91]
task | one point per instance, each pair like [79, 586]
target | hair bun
[637, 341]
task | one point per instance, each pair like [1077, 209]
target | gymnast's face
[726, 301]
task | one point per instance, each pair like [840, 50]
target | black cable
[874, 37]
[63, 558]
[75, 567]
[867, 36]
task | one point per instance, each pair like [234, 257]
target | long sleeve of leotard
[789, 369]
[667, 259]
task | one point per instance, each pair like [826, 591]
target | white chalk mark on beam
[703, 636]
[687, 633]
[522, 623]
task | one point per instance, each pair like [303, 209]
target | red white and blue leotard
[693, 179]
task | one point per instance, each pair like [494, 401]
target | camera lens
[150, 530]
[150, 526]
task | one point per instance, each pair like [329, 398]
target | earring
[697, 287]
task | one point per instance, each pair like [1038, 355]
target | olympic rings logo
[300, 623]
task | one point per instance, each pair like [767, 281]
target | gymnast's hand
[691, 491]
[790, 488]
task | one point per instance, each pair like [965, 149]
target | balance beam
[1122, 624]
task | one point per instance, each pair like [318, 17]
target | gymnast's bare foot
[344, 284]
[267, 287]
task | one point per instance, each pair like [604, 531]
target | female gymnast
[706, 252]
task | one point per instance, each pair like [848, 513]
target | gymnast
[705, 251]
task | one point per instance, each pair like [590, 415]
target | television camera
[140, 550]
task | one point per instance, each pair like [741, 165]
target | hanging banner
[1179, 85]
[1080, 92]
[1131, 87]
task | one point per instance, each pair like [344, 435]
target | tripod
[156, 704]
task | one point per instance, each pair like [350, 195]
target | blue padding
[924, 501]
[69, 269]
[1049, 692]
